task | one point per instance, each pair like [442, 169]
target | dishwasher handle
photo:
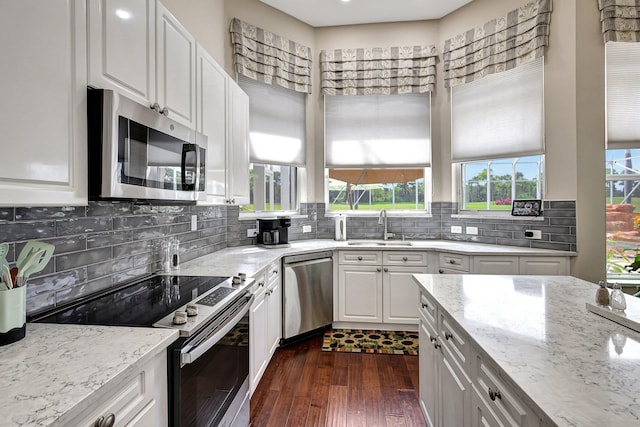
[296, 259]
[310, 262]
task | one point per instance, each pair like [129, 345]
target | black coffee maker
[273, 232]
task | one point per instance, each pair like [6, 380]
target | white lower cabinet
[457, 385]
[451, 263]
[265, 322]
[552, 265]
[495, 265]
[377, 287]
[140, 400]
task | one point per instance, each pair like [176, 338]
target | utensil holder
[13, 315]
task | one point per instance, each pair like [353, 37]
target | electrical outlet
[533, 234]
[471, 230]
[306, 229]
[456, 229]
[194, 222]
[252, 232]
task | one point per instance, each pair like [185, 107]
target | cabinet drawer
[405, 258]
[544, 265]
[455, 341]
[495, 265]
[501, 398]
[360, 257]
[428, 311]
[454, 262]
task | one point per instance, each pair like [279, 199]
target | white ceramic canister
[341, 227]
[13, 314]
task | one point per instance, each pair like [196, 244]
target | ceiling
[324, 13]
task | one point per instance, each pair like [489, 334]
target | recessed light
[123, 14]
[345, 1]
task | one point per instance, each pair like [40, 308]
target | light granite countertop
[578, 368]
[252, 259]
[53, 373]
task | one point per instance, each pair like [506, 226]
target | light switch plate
[306, 229]
[533, 234]
[471, 230]
[194, 222]
[456, 229]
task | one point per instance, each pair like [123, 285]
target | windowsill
[390, 214]
[249, 216]
[495, 215]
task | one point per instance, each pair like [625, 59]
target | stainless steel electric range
[208, 366]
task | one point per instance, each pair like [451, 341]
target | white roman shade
[623, 94]
[378, 131]
[499, 116]
[277, 124]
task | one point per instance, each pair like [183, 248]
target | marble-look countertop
[576, 367]
[252, 259]
[52, 374]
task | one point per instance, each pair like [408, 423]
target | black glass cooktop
[140, 304]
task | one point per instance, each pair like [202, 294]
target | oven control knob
[179, 317]
[192, 310]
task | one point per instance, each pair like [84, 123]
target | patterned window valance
[620, 20]
[267, 57]
[499, 45]
[378, 71]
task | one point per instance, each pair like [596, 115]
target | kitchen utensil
[4, 250]
[34, 263]
[6, 276]
[14, 274]
[30, 248]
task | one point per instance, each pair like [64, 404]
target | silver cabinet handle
[404, 258]
[386, 270]
[436, 344]
[233, 201]
[493, 394]
[274, 272]
[432, 339]
[452, 261]
[359, 258]
[261, 284]
[378, 269]
[447, 336]
[105, 421]
[269, 292]
[155, 107]
[441, 271]
[425, 305]
[164, 111]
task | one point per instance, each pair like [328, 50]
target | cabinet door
[274, 300]
[400, 293]
[360, 294]
[176, 68]
[427, 374]
[481, 414]
[455, 392]
[495, 265]
[122, 47]
[258, 352]
[211, 95]
[544, 265]
[43, 120]
[238, 148]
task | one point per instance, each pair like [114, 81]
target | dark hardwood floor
[304, 386]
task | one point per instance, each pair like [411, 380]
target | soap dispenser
[618, 303]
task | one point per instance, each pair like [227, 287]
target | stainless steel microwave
[136, 152]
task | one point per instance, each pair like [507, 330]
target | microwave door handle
[197, 180]
[186, 148]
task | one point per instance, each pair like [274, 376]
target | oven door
[210, 373]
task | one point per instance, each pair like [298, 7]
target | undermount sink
[380, 243]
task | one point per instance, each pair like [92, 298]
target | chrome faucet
[382, 219]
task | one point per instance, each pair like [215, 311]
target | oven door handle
[190, 355]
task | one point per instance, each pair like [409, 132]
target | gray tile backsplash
[108, 243]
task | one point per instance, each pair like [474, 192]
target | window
[497, 137]
[272, 188]
[622, 188]
[277, 145]
[494, 184]
[378, 152]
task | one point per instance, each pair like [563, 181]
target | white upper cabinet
[211, 97]
[139, 49]
[122, 46]
[238, 150]
[43, 102]
[175, 65]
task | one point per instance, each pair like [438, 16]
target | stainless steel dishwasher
[308, 293]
